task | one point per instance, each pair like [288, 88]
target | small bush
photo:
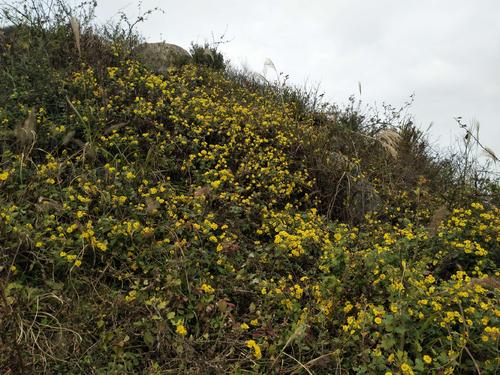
[208, 56]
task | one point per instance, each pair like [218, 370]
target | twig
[300, 364]
[473, 360]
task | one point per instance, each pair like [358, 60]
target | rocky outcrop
[160, 56]
[364, 199]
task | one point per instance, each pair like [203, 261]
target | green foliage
[208, 56]
[210, 222]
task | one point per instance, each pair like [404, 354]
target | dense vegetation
[208, 221]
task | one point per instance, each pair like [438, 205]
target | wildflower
[112, 72]
[405, 367]
[427, 359]
[131, 296]
[430, 279]
[477, 206]
[348, 307]
[78, 263]
[72, 228]
[378, 320]
[297, 291]
[253, 345]
[102, 246]
[207, 288]
[4, 175]
[181, 330]
[244, 326]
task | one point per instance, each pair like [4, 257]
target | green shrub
[208, 56]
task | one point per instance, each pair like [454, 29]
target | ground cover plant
[208, 221]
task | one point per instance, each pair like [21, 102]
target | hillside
[206, 222]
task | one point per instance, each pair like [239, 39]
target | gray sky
[447, 52]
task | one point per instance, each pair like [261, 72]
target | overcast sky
[447, 52]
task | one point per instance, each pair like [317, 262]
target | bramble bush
[182, 223]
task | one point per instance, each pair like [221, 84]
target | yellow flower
[4, 175]
[427, 359]
[102, 246]
[337, 237]
[405, 367]
[78, 263]
[112, 71]
[207, 288]
[347, 307]
[244, 326]
[72, 228]
[181, 330]
[253, 345]
[378, 320]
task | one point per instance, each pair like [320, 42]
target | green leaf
[388, 342]
[419, 365]
[148, 338]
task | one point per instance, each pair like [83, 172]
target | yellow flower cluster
[256, 348]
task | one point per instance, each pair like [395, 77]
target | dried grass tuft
[489, 153]
[75, 26]
[389, 139]
[26, 133]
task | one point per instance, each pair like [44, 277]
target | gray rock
[364, 199]
[160, 56]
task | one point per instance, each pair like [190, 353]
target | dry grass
[389, 139]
